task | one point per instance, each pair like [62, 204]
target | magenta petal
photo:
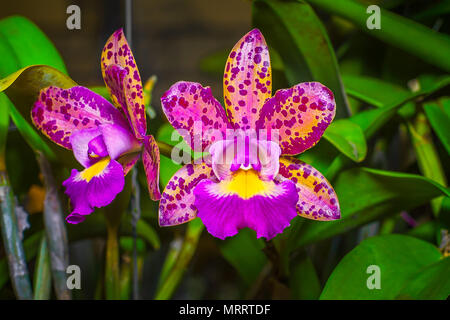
[59, 112]
[87, 191]
[225, 214]
[118, 140]
[193, 111]
[177, 200]
[80, 144]
[150, 159]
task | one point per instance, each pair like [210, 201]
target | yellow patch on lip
[246, 184]
[95, 170]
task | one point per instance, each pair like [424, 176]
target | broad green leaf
[398, 258]
[430, 283]
[366, 195]
[244, 253]
[23, 44]
[438, 113]
[348, 138]
[400, 32]
[293, 29]
[22, 88]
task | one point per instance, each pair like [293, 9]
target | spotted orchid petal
[317, 199]
[299, 115]
[177, 200]
[150, 159]
[59, 112]
[245, 201]
[193, 111]
[247, 81]
[122, 78]
[96, 186]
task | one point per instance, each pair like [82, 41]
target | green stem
[42, 274]
[12, 242]
[112, 272]
[194, 230]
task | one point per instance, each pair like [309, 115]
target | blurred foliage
[386, 155]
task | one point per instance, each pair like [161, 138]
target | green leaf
[244, 253]
[42, 273]
[430, 283]
[398, 257]
[303, 280]
[147, 232]
[348, 138]
[426, 154]
[297, 34]
[400, 32]
[22, 88]
[374, 91]
[438, 113]
[22, 44]
[366, 195]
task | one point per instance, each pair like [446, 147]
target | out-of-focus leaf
[430, 283]
[190, 242]
[244, 253]
[427, 156]
[22, 44]
[398, 258]
[303, 279]
[425, 231]
[368, 194]
[297, 34]
[167, 134]
[396, 30]
[126, 244]
[372, 120]
[374, 91]
[348, 138]
[438, 113]
[101, 90]
[147, 232]
[5, 105]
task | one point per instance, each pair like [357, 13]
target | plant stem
[112, 272]
[193, 232]
[56, 231]
[12, 242]
[42, 275]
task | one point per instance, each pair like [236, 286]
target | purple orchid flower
[263, 189]
[107, 141]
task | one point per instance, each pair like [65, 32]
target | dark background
[169, 39]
